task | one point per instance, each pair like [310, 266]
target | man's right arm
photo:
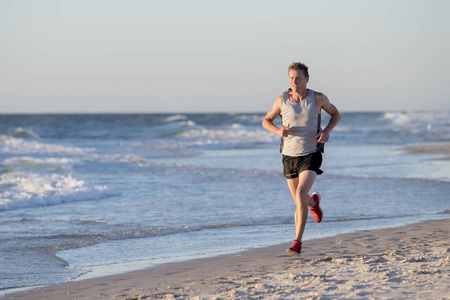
[274, 112]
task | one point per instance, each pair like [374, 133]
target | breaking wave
[20, 190]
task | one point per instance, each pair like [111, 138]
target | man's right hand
[285, 130]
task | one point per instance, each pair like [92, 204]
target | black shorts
[294, 165]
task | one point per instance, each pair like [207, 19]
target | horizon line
[206, 112]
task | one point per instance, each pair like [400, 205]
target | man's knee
[302, 196]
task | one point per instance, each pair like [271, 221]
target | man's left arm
[327, 106]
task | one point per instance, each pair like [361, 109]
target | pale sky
[87, 56]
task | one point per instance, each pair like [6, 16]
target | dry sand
[411, 262]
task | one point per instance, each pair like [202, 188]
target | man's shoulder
[318, 96]
[279, 99]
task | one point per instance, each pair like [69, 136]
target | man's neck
[299, 95]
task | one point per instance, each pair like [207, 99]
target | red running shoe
[316, 212]
[295, 249]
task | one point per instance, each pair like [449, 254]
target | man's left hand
[323, 136]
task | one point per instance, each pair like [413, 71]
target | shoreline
[412, 261]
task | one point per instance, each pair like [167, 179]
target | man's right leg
[299, 188]
[293, 184]
[303, 200]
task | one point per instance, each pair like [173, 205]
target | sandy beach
[410, 262]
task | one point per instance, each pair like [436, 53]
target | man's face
[297, 80]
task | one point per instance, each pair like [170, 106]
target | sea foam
[21, 146]
[237, 134]
[19, 190]
[27, 163]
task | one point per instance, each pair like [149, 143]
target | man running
[302, 142]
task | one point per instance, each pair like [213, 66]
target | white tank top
[304, 119]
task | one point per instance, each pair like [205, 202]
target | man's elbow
[337, 115]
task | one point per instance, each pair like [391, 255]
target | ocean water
[91, 195]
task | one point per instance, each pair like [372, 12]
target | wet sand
[410, 262]
[430, 149]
